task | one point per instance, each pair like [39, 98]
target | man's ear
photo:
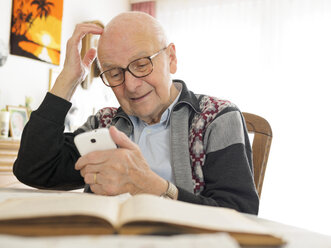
[173, 58]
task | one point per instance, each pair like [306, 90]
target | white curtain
[272, 58]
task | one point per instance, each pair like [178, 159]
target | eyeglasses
[138, 68]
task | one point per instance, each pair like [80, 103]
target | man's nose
[131, 82]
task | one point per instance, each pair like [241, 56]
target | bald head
[132, 27]
[132, 22]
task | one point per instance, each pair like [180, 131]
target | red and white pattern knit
[105, 116]
[209, 107]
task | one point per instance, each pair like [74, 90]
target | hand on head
[121, 170]
[75, 68]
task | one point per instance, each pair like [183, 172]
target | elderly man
[171, 142]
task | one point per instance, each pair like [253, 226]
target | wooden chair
[260, 146]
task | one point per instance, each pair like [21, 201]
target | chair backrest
[260, 146]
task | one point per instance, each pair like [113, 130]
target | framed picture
[36, 29]
[17, 120]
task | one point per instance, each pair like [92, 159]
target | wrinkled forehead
[121, 46]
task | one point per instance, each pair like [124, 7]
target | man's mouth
[140, 97]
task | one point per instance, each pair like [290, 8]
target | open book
[71, 214]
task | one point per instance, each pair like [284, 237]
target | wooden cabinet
[8, 154]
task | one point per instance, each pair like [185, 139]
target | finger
[81, 163]
[105, 189]
[83, 29]
[121, 139]
[92, 178]
[99, 178]
[98, 189]
[91, 168]
[92, 158]
[80, 31]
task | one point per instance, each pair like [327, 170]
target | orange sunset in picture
[36, 29]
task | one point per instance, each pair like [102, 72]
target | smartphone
[95, 140]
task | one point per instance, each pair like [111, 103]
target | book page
[157, 209]
[65, 204]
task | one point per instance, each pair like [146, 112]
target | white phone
[95, 140]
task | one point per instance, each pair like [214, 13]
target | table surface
[295, 237]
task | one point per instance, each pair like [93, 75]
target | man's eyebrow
[109, 66]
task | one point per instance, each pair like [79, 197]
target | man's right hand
[75, 69]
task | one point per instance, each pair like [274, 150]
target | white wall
[272, 58]
[21, 77]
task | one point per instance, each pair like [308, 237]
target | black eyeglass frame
[123, 70]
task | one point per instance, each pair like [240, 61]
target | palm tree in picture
[43, 7]
[19, 20]
[43, 10]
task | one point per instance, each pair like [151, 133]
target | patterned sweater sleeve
[227, 170]
[47, 156]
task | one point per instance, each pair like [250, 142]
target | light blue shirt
[154, 142]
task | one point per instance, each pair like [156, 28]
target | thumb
[121, 139]
[89, 57]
